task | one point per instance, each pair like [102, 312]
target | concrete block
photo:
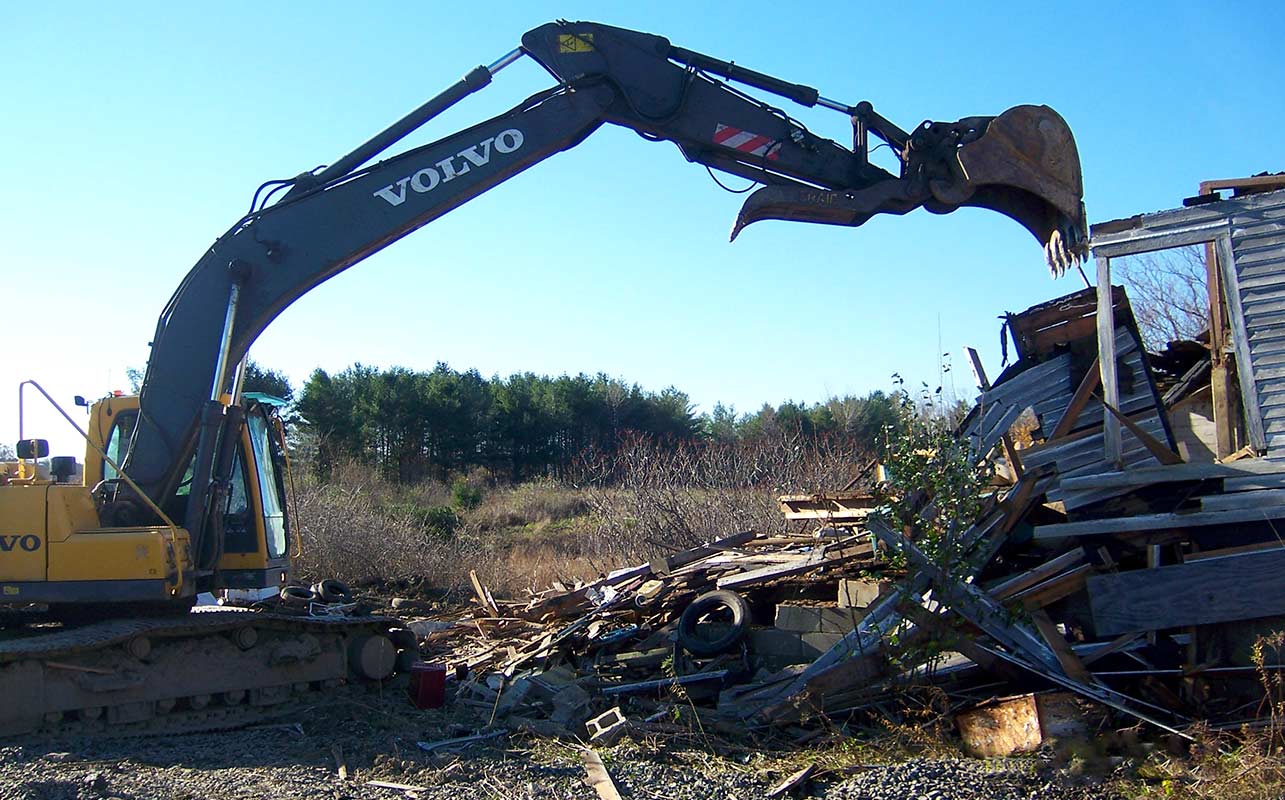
[814, 644]
[840, 620]
[607, 728]
[776, 642]
[861, 593]
[569, 705]
[803, 619]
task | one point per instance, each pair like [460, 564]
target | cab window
[118, 441]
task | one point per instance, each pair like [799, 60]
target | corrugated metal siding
[1258, 248]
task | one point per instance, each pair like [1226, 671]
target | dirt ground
[373, 735]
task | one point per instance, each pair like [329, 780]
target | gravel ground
[297, 756]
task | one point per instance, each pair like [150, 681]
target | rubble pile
[1139, 587]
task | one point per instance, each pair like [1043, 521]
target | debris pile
[1141, 586]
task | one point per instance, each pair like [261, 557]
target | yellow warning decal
[12, 590]
[575, 43]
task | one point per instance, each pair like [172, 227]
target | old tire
[332, 591]
[712, 601]
[297, 596]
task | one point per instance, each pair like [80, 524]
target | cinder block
[861, 593]
[840, 620]
[776, 643]
[814, 644]
[803, 619]
[607, 728]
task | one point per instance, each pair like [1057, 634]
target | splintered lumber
[1157, 522]
[597, 776]
[1227, 589]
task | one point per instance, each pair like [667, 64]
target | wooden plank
[661, 683]
[683, 558]
[1161, 451]
[1083, 394]
[1227, 502]
[1254, 483]
[1239, 587]
[1054, 589]
[1240, 343]
[1106, 363]
[598, 777]
[1057, 643]
[1223, 552]
[483, 596]
[1144, 476]
[1011, 586]
[1157, 522]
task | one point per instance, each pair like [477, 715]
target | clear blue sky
[134, 134]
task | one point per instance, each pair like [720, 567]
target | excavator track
[208, 670]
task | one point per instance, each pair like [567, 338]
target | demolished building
[1132, 553]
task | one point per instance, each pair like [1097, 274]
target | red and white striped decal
[746, 142]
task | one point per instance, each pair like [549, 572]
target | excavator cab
[254, 547]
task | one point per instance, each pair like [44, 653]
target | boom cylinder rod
[477, 78]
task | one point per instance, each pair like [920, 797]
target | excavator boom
[1021, 163]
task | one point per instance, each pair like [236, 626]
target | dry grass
[626, 508]
[1247, 764]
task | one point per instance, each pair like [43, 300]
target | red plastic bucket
[427, 685]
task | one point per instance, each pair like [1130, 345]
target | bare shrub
[533, 503]
[649, 498]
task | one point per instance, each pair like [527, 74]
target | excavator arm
[1022, 163]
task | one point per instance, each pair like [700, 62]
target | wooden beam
[1106, 363]
[1084, 393]
[1071, 664]
[1157, 522]
[1158, 449]
[1240, 343]
[1144, 476]
[1025, 580]
[1229, 589]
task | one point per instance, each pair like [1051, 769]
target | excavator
[183, 489]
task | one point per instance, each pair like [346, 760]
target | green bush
[465, 495]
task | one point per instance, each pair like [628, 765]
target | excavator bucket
[1023, 164]
[1027, 167]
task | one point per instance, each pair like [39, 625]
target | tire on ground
[712, 601]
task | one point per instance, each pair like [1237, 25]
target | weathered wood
[984, 383]
[1054, 589]
[1083, 394]
[598, 777]
[1071, 664]
[1240, 343]
[1106, 363]
[792, 782]
[483, 596]
[1234, 500]
[1157, 522]
[683, 558]
[660, 683]
[1223, 552]
[1016, 583]
[1144, 476]
[1162, 453]
[1238, 587]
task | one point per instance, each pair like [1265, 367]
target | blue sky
[135, 134]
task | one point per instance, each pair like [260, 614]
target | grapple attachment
[1023, 164]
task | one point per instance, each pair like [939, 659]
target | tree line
[414, 424]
